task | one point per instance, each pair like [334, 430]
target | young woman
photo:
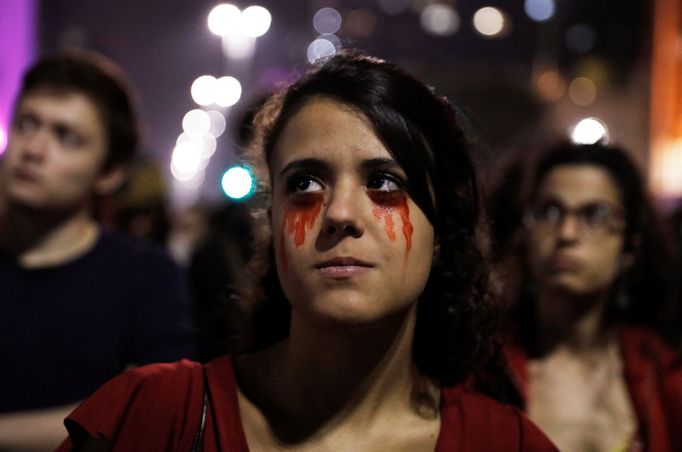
[589, 363]
[372, 217]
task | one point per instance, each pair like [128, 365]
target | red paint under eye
[301, 214]
[386, 204]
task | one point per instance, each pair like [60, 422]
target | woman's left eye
[384, 182]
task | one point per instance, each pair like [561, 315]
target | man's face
[56, 150]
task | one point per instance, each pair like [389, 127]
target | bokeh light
[539, 10]
[202, 89]
[3, 139]
[582, 91]
[255, 21]
[550, 85]
[440, 19]
[218, 123]
[239, 182]
[320, 48]
[196, 123]
[580, 39]
[360, 23]
[228, 91]
[186, 160]
[327, 20]
[589, 131]
[489, 21]
[224, 19]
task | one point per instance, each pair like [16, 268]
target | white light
[186, 161]
[196, 122]
[202, 89]
[218, 123]
[333, 39]
[320, 48]
[255, 21]
[439, 19]
[208, 146]
[224, 19]
[228, 91]
[3, 140]
[238, 182]
[327, 20]
[590, 131]
[489, 21]
[539, 10]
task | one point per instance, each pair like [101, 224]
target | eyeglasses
[593, 219]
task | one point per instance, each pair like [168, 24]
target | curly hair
[454, 316]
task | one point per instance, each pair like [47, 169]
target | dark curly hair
[421, 131]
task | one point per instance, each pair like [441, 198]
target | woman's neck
[325, 377]
[571, 321]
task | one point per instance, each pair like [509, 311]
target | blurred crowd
[98, 273]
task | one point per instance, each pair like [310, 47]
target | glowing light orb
[228, 92]
[255, 21]
[327, 20]
[582, 91]
[539, 10]
[589, 131]
[202, 89]
[224, 19]
[3, 140]
[320, 48]
[196, 122]
[238, 182]
[489, 21]
[218, 123]
[440, 19]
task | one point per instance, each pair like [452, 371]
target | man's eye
[384, 182]
[26, 124]
[304, 184]
[70, 138]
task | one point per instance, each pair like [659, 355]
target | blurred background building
[520, 71]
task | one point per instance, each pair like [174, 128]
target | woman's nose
[343, 214]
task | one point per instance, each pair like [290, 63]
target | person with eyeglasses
[588, 361]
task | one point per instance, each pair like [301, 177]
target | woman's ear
[110, 180]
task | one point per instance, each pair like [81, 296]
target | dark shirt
[67, 329]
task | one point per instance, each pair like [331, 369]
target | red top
[653, 376]
[158, 407]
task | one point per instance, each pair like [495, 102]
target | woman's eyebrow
[307, 164]
[383, 163]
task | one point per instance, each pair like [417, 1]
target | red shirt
[158, 407]
[653, 376]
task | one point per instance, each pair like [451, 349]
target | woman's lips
[565, 264]
[342, 267]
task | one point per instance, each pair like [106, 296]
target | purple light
[17, 26]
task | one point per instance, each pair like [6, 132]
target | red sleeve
[471, 421]
[155, 407]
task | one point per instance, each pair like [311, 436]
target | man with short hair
[78, 304]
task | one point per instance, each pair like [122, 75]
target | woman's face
[352, 248]
[575, 242]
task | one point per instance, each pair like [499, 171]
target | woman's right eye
[304, 184]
